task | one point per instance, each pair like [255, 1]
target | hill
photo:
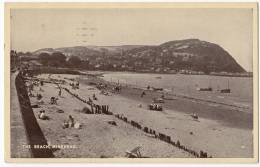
[178, 55]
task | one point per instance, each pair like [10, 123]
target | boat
[157, 89]
[226, 90]
[204, 89]
[135, 153]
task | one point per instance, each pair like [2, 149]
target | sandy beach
[220, 131]
[96, 138]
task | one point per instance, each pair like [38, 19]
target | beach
[221, 131]
[96, 138]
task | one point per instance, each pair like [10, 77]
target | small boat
[157, 89]
[135, 153]
[204, 89]
[159, 77]
[225, 90]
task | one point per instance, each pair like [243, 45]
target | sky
[232, 29]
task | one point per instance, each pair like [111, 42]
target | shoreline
[76, 71]
[101, 72]
[216, 126]
[229, 115]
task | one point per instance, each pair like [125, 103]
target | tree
[57, 59]
[85, 64]
[74, 61]
[44, 58]
[28, 54]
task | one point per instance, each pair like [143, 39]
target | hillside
[188, 54]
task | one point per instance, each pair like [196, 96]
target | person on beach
[40, 89]
[162, 96]
[60, 92]
[94, 97]
[31, 87]
[195, 116]
[117, 88]
[89, 99]
[65, 124]
[71, 121]
[30, 94]
[42, 115]
[53, 100]
[39, 96]
[143, 93]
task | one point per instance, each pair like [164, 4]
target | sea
[241, 87]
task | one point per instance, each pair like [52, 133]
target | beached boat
[135, 153]
[157, 89]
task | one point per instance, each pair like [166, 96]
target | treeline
[58, 59]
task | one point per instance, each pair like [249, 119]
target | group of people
[74, 85]
[101, 86]
[70, 123]
[32, 85]
[117, 88]
[53, 100]
[155, 107]
[195, 116]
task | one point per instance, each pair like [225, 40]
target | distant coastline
[248, 74]
[79, 71]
